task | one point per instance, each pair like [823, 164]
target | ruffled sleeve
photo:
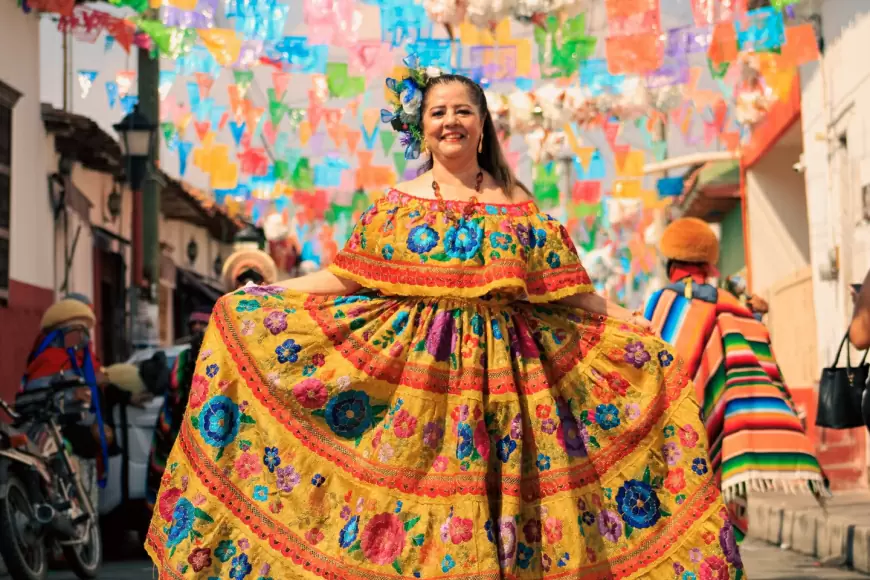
[554, 268]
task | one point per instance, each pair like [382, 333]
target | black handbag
[841, 391]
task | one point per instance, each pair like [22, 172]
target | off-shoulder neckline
[529, 205]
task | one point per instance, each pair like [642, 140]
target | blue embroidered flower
[241, 567]
[349, 532]
[588, 518]
[490, 533]
[553, 260]
[689, 576]
[422, 239]
[288, 351]
[699, 465]
[182, 523]
[524, 555]
[500, 240]
[539, 237]
[261, 493]
[496, 330]
[212, 370]
[506, 446]
[466, 441]
[462, 241]
[665, 358]
[477, 324]
[414, 214]
[309, 370]
[225, 550]
[219, 421]
[318, 480]
[447, 563]
[271, 458]
[543, 462]
[400, 322]
[247, 306]
[638, 504]
[387, 252]
[607, 416]
[349, 414]
[342, 300]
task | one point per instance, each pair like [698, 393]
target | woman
[758, 439]
[449, 399]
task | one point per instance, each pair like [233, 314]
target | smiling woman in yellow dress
[450, 399]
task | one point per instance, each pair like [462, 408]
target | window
[8, 98]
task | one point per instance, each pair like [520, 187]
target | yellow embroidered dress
[452, 421]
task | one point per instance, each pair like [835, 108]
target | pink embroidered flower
[632, 411]
[244, 544]
[276, 322]
[198, 391]
[199, 499]
[460, 530]
[404, 424]
[481, 440]
[432, 434]
[671, 452]
[386, 452]
[248, 327]
[695, 555]
[459, 413]
[166, 504]
[318, 360]
[314, 536]
[553, 530]
[205, 354]
[247, 465]
[439, 465]
[714, 568]
[396, 349]
[688, 436]
[223, 385]
[383, 539]
[310, 393]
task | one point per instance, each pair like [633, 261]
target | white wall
[31, 252]
[832, 175]
[177, 234]
[777, 218]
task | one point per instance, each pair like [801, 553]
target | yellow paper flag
[371, 117]
[585, 156]
[225, 175]
[304, 132]
[626, 188]
[223, 44]
[630, 164]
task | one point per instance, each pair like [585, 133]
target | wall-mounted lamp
[113, 202]
[192, 251]
[57, 184]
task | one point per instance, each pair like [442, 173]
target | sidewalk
[838, 535]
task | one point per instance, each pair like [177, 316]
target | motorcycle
[43, 503]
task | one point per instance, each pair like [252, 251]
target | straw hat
[241, 261]
[126, 377]
[68, 310]
[690, 240]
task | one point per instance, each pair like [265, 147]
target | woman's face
[452, 123]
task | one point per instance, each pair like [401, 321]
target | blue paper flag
[128, 102]
[237, 130]
[184, 149]
[670, 186]
[193, 94]
[110, 42]
[112, 93]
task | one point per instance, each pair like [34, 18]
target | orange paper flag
[353, 138]
[371, 118]
[204, 81]
[800, 45]
[723, 44]
[280, 80]
[304, 132]
[632, 164]
[635, 53]
[223, 44]
[627, 8]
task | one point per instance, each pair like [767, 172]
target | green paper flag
[546, 186]
[282, 171]
[336, 78]
[354, 86]
[276, 109]
[400, 162]
[387, 140]
[303, 176]
[243, 79]
[168, 129]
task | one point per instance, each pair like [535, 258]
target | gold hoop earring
[480, 145]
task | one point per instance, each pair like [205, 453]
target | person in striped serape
[757, 440]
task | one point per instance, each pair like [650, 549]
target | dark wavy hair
[492, 158]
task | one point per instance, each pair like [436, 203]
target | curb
[812, 532]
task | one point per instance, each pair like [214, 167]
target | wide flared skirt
[372, 437]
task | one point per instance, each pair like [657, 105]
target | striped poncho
[757, 441]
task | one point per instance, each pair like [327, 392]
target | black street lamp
[137, 140]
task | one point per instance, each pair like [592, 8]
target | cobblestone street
[763, 562]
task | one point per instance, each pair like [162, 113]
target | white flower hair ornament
[406, 95]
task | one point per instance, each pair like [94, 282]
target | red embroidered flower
[404, 424]
[714, 568]
[481, 440]
[602, 394]
[675, 482]
[688, 436]
[200, 558]
[167, 502]
[310, 393]
[383, 538]
[314, 536]
[318, 360]
[198, 391]
[617, 383]
[543, 411]
[460, 530]
[708, 537]
[591, 556]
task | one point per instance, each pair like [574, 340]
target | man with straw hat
[757, 441]
[248, 264]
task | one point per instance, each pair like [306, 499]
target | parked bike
[43, 503]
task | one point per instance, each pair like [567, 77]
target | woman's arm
[859, 329]
[596, 304]
[321, 282]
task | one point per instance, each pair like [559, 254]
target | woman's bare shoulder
[519, 195]
[417, 187]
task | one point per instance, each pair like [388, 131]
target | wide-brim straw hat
[68, 310]
[257, 260]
